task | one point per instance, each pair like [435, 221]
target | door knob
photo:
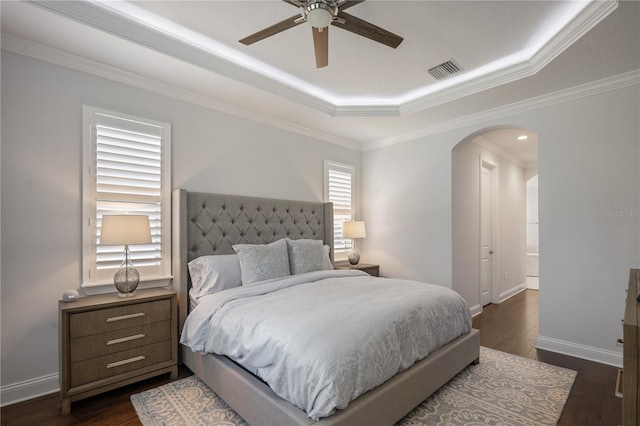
[490, 251]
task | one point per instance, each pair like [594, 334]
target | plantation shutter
[340, 193]
[128, 178]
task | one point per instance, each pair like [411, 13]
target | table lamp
[353, 229]
[125, 230]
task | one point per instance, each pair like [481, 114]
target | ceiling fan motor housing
[319, 14]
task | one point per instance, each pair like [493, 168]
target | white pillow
[305, 255]
[259, 262]
[210, 274]
[326, 260]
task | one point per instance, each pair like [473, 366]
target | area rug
[502, 389]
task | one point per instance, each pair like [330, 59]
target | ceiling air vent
[444, 70]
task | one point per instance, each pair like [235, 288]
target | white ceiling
[361, 69]
[369, 93]
[524, 150]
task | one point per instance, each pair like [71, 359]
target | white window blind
[339, 191]
[127, 172]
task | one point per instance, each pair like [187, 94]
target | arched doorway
[490, 169]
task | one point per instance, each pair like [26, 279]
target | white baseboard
[580, 351]
[512, 292]
[29, 389]
[475, 310]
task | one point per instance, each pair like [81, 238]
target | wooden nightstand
[370, 269]
[108, 341]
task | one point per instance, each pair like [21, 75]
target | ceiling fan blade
[274, 29]
[367, 29]
[321, 46]
[348, 4]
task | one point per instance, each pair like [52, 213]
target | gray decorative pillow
[305, 256]
[259, 262]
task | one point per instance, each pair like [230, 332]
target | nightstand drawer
[95, 369]
[108, 341]
[120, 340]
[117, 318]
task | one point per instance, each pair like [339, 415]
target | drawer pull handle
[126, 317]
[126, 339]
[619, 379]
[125, 361]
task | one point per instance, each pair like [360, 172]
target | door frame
[495, 237]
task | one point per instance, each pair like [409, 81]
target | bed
[210, 224]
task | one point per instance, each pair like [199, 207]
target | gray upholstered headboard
[205, 224]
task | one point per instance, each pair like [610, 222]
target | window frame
[91, 280]
[329, 165]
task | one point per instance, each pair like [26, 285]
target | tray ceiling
[369, 93]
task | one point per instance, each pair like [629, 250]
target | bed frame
[205, 224]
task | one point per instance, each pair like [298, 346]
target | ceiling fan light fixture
[319, 15]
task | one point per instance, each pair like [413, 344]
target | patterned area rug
[503, 389]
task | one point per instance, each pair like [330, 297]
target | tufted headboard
[206, 224]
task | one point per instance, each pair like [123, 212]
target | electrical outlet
[505, 275]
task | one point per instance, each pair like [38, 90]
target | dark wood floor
[511, 326]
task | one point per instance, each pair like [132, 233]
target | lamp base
[126, 278]
[354, 257]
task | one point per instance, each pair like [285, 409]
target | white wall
[588, 165]
[533, 245]
[509, 242]
[41, 190]
[407, 208]
[589, 170]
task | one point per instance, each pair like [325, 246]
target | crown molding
[111, 21]
[620, 81]
[367, 111]
[490, 146]
[588, 18]
[38, 51]
[127, 27]
[470, 87]
[24, 47]
[572, 32]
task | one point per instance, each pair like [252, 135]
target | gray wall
[42, 183]
[588, 165]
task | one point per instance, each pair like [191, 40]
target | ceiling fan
[320, 14]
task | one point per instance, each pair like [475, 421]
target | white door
[486, 220]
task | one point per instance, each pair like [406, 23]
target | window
[126, 163]
[339, 191]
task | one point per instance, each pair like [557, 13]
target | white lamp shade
[125, 229]
[353, 229]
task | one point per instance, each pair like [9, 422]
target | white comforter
[323, 338]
